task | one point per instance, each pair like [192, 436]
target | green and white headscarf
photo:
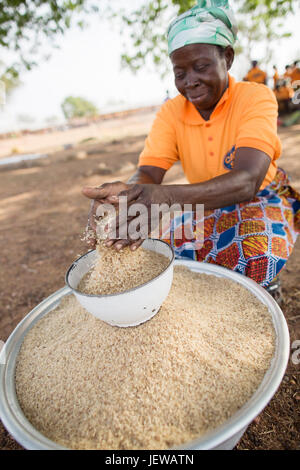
[209, 22]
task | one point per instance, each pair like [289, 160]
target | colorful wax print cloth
[252, 238]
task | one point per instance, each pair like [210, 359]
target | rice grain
[116, 272]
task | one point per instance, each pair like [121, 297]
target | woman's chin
[199, 102]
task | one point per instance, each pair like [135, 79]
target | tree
[75, 106]
[25, 23]
[9, 77]
[260, 25]
[148, 27]
[253, 31]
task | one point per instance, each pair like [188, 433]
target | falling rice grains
[87, 385]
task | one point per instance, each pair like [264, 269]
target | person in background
[255, 74]
[288, 72]
[295, 73]
[284, 94]
[224, 133]
[275, 76]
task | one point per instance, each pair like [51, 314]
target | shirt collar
[190, 115]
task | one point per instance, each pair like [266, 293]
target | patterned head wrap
[209, 22]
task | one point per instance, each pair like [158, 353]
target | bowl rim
[104, 296]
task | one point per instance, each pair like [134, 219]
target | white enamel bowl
[129, 308]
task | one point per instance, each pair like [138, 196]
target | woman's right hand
[104, 194]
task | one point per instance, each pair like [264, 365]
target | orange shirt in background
[246, 116]
[295, 74]
[284, 93]
[288, 73]
[275, 78]
[256, 75]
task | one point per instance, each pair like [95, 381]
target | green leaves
[262, 23]
[10, 78]
[24, 24]
[184, 5]
[272, 8]
[76, 107]
[148, 25]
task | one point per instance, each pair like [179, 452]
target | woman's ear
[229, 56]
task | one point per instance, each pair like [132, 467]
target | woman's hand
[146, 195]
[104, 194]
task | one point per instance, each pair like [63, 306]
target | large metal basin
[222, 438]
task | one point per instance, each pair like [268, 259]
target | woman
[225, 135]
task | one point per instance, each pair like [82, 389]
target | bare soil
[42, 218]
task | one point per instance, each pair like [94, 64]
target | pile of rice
[87, 385]
[116, 272]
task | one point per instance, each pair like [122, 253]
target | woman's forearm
[148, 175]
[222, 191]
[140, 177]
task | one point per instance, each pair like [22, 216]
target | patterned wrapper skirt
[253, 238]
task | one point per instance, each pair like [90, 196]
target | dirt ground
[43, 215]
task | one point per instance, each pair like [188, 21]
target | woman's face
[201, 73]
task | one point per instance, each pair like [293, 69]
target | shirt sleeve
[258, 126]
[161, 144]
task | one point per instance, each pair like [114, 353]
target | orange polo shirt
[295, 75]
[288, 73]
[256, 75]
[246, 116]
[275, 78]
[284, 93]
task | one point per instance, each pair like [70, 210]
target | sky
[87, 64]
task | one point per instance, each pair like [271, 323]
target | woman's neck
[205, 114]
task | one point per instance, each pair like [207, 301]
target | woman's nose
[191, 80]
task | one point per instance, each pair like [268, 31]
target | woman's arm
[148, 175]
[239, 185]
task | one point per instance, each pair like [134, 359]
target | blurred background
[112, 55]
